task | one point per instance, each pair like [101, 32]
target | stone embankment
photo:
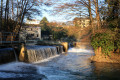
[101, 57]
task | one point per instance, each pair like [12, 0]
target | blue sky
[55, 17]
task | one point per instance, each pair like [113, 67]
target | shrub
[117, 41]
[103, 40]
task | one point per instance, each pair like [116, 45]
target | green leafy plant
[118, 41]
[103, 40]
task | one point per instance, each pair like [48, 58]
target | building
[30, 33]
[81, 22]
[33, 21]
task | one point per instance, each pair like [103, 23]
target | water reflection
[107, 71]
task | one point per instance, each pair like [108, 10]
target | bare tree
[78, 8]
[97, 14]
[1, 15]
[90, 15]
[6, 15]
[12, 9]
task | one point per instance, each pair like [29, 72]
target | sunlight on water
[80, 50]
[46, 60]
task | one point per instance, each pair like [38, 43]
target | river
[73, 65]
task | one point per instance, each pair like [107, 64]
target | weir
[31, 53]
[36, 53]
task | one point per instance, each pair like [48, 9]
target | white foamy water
[80, 50]
[13, 66]
[46, 60]
[7, 70]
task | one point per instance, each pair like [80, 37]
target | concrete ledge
[7, 55]
[65, 46]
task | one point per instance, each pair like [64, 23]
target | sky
[55, 17]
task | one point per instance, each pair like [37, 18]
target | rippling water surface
[74, 65]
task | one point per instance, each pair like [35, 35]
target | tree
[97, 14]
[43, 24]
[6, 15]
[110, 12]
[90, 15]
[1, 15]
[57, 30]
[79, 8]
[17, 10]
[113, 14]
[12, 9]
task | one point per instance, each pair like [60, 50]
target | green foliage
[113, 24]
[103, 40]
[43, 24]
[59, 33]
[118, 44]
[117, 41]
[56, 32]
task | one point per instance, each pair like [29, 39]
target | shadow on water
[107, 71]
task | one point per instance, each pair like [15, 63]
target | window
[37, 35]
[83, 20]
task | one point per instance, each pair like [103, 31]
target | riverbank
[112, 58]
[98, 56]
[106, 45]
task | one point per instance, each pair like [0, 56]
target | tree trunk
[97, 14]
[8, 14]
[17, 11]
[90, 16]
[1, 15]
[5, 16]
[12, 10]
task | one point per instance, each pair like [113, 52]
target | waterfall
[36, 53]
[16, 58]
[59, 49]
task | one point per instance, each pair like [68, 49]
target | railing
[7, 37]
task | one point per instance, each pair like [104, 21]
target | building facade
[81, 22]
[33, 21]
[30, 33]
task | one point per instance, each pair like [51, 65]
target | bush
[103, 40]
[117, 41]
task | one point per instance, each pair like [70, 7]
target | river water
[73, 65]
